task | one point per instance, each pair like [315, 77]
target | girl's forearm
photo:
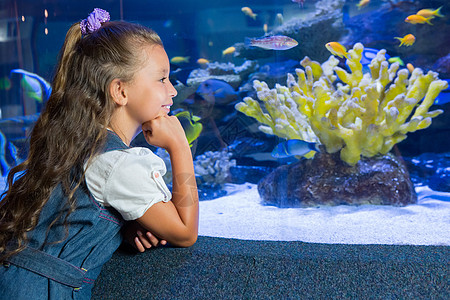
[184, 187]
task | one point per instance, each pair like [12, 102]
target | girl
[60, 219]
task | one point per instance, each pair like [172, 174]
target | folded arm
[176, 221]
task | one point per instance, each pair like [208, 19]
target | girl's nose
[173, 91]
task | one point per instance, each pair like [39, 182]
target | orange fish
[417, 19]
[410, 67]
[202, 61]
[179, 59]
[407, 40]
[426, 13]
[337, 49]
[229, 50]
[249, 12]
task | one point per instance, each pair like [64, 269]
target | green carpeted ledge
[218, 268]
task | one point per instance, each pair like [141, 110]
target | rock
[326, 180]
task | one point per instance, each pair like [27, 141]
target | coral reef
[213, 168]
[358, 115]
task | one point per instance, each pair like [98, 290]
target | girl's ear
[117, 91]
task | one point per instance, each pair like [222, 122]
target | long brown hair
[72, 128]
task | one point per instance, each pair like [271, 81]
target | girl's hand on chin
[164, 131]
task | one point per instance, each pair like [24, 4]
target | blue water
[32, 32]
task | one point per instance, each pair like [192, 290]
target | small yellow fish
[416, 19]
[410, 67]
[229, 50]
[265, 28]
[396, 59]
[202, 61]
[337, 49]
[428, 12]
[192, 128]
[179, 59]
[407, 40]
[249, 12]
[363, 3]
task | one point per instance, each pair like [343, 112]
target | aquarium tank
[309, 120]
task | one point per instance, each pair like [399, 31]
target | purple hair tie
[94, 21]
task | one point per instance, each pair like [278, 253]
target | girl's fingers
[144, 240]
[138, 244]
[153, 239]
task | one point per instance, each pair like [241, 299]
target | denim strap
[49, 266]
[114, 142]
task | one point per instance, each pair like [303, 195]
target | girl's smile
[167, 107]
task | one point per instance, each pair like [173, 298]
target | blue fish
[293, 147]
[34, 85]
[217, 91]
[369, 54]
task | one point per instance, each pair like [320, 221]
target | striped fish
[274, 42]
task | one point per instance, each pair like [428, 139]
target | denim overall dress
[65, 270]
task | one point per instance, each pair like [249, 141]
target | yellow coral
[363, 114]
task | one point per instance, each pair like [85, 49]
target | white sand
[240, 215]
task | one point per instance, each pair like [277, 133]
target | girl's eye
[163, 79]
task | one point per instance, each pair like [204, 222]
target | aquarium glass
[318, 120]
